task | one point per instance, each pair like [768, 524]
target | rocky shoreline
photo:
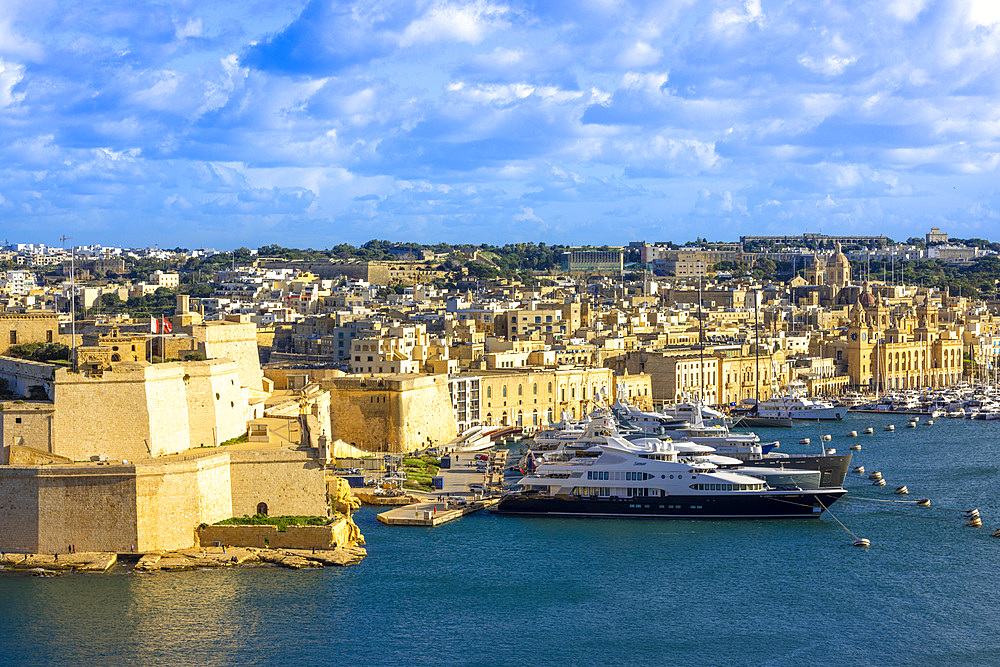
[183, 560]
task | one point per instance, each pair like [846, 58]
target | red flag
[167, 326]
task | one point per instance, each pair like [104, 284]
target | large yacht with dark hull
[648, 479]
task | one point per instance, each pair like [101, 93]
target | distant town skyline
[312, 123]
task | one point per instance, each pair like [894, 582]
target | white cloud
[640, 54]
[984, 12]
[906, 10]
[733, 19]
[454, 22]
[191, 28]
[10, 75]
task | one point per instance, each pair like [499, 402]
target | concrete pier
[432, 514]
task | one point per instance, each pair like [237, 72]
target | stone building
[534, 397]
[900, 347]
[18, 328]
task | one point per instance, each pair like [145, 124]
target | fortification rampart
[48, 508]
[154, 504]
[391, 413]
[288, 482]
[132, 412]
[216, 404]
[22, 375]
[294, 537]
[186, 491]
[232, 340]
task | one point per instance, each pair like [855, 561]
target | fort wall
[175, 495]
[28, 424]
[22, 375]
[216, 404]
[391, 413]
[232, 340]
[289, 482]
[294, 537]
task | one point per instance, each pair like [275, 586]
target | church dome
[867, 299]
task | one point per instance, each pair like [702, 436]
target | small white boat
[889, 427]
[852, 434]
[856, 448]
[868, 430]
[859, 469]
[827, 437]
[804, 441]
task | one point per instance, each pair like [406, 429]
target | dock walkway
[432, 513]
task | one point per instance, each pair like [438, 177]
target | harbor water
[496, 590]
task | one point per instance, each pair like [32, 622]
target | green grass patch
[233, 441]
[282, 522]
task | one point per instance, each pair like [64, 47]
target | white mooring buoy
[875, 474]
[924, 502]
[868, 430]
[878, 482]
[852, 434]
[865, 542]
[856, 448]
[889, 427]
[859, 469]
[902, 490]
[803, 441]
[827, 437]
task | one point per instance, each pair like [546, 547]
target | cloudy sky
[310, 123]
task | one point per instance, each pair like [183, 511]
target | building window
[13, 338]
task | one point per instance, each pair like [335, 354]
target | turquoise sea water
[492, 590]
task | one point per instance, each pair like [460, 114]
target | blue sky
[596, 121]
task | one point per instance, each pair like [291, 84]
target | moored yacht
[799, 407]
[648, 479]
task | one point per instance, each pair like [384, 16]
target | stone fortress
[123, 454]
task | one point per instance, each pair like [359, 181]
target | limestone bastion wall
[133, 412]
[397, 413]
[216, 403]
[236, 341]
[28, 424]
[294, 537]
[22, 375]
[48, 508]
[176, 494]
[289, 482]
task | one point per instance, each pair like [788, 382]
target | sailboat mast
[756, 349]
[701, 346]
